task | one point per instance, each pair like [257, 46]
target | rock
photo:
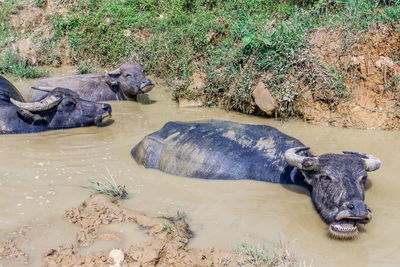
[184, 103]
[263, 98]
[384, 61]
[197, 81]
[118, 257]
[355, 61]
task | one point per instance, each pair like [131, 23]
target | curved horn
[43, 88]
[44, 104]
[371, 163]
[301, 162]
[114, 72]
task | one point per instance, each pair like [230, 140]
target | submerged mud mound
[368, 64]
[168, 247]
[9, 249]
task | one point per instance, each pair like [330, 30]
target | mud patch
[9, 250]
[168, 247]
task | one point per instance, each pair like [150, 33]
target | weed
[168, 227]
[13, 63]
[40, 3]
[111, 188]
[46, 52]
[176, 38]
[261, 255]
[83, 67]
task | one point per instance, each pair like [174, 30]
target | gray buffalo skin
[125, 83]
[59, 109]
[226, 150]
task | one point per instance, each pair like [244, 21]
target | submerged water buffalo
[61, 108]
[124, 83]
[227, 150]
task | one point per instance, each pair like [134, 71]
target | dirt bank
[341, 77]
[371, 100]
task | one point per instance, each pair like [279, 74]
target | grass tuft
[13, 63]
[261, 255]
[110, 188]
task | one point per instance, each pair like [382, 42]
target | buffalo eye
[70, 104]
[325, 178]
[128, 75]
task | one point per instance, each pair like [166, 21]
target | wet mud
[167, 247]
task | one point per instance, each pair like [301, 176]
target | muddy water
[44, 174]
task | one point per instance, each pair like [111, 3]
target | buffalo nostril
[350, 206]
[146, 82]
[107, 107]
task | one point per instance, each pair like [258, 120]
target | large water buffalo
[226, 150]
[61, 108]
[124, 83]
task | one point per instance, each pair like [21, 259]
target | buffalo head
[130, 79]
[62, 108]
[338, 184]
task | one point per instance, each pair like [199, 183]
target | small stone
[184, 103]
[263, 98]
[118, 257]
[384, 61]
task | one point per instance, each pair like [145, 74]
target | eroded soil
[371, 78]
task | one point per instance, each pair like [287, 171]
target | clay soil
[371, 76]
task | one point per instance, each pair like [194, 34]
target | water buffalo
[61, 108]
[226, 150]
[124, 83]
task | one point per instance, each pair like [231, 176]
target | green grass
[234, 42]
[262, 255]
[110, 188]
[12, 63]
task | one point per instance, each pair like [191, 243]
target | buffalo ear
[112, 79]
[29, 117]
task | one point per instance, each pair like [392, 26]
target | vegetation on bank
[235, 43]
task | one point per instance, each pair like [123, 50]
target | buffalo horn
[44, 104]
[43, 88]
[114, 72]
[301, 162]
[371, 163]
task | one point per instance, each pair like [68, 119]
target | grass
[261, 255]
[110, 188]
[15, 64]
[234, 42]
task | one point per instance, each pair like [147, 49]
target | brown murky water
[42, 174]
